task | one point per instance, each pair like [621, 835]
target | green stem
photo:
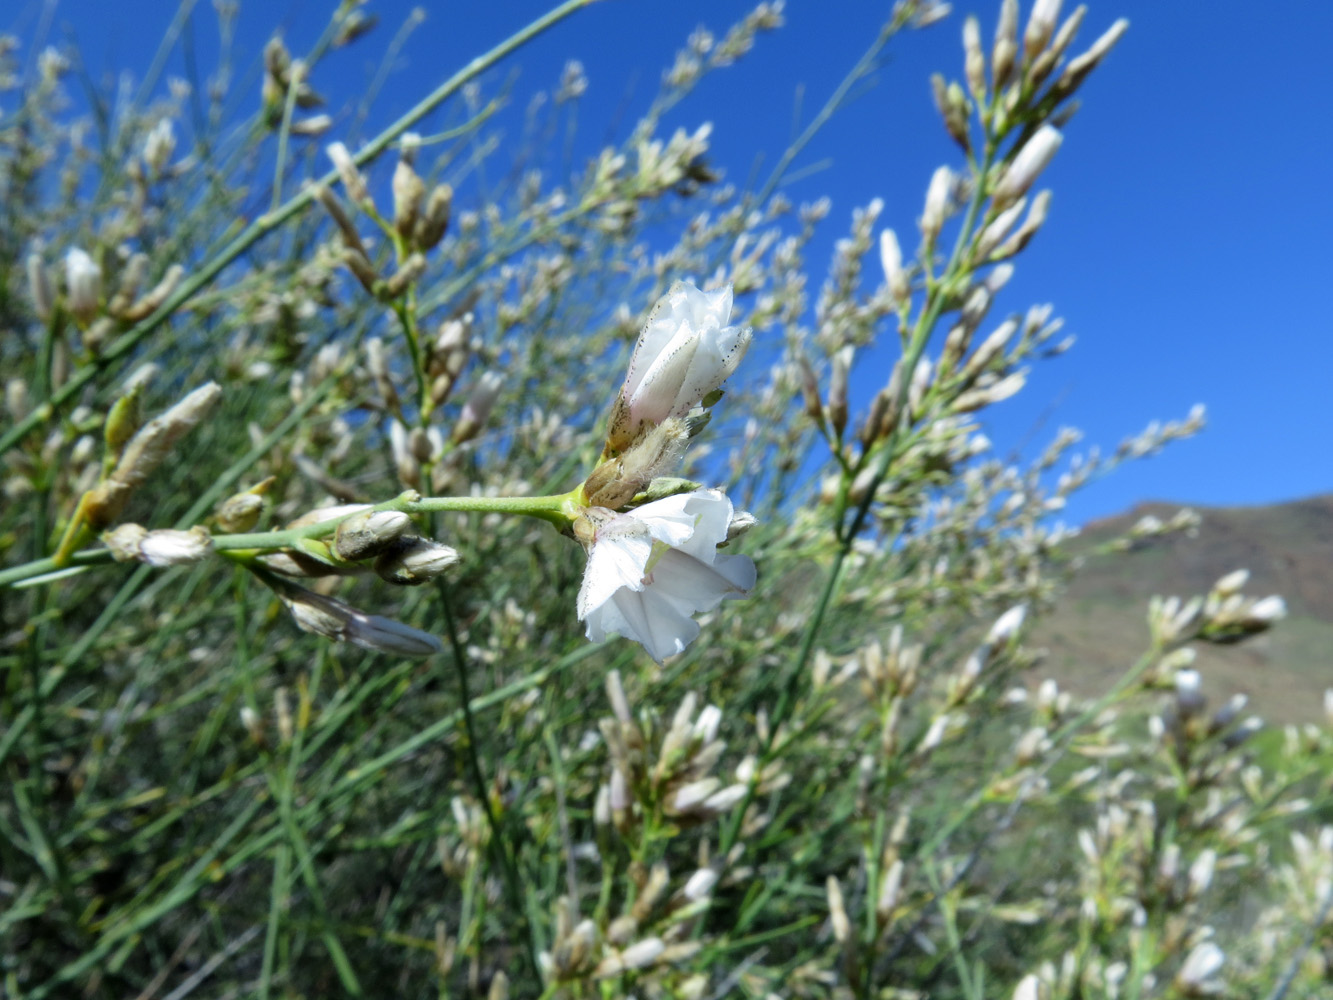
[559, 510]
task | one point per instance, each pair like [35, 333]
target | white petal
[612, 564]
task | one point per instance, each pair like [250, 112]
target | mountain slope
[1099, 627]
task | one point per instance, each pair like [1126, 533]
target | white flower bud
[700, 884]
[159, 146]
[168, 547]
[642, 953]
[891, 259]
[328, 616]
[478, 407]
[937, 203]
[842, 924]
[1268, 610]
[1029, 988]
[353, 182]
[1027, 166]
[1007, 626]
[1202, 964]
[83, 284]
[685, 352]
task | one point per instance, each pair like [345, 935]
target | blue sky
[1190, 241]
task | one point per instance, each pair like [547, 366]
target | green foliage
[850, 785]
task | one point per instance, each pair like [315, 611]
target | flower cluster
[654, 566]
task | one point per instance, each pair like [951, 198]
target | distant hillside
[1100, 626]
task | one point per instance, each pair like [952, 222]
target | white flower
[686, 350]
[651, 569]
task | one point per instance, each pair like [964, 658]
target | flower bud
[39, 287]
[353, 183]
[891, 259]
[434, 221]
[1041, 25]
[408, 193]
[685, 352]
[159, 146]
[937, 204]
[369, 533]
[1007, 626]
[478, 407]
[144, 452]
[975, 62]
[1027, 165]
[414, 561]
[168, 547]
[83, 285]
[239, 512]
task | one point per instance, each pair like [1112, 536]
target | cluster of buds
[420, 221]
[583, 950]
[887, 678]
[1199, 740]
[684, 353]
[1225, 616]
[84, 298]
[668, 771]
[135, 452]
[380, 540]
[464, 850]
[965, 682]
[284, 75]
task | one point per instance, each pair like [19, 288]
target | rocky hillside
[1100, 626]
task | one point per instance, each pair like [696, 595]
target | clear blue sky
[1191, 236]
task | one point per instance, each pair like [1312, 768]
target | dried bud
[414, 561]
[369, 533]
[1006, 44]
[974, 64]
[478, 408]
[408, 193]
[39, 287]
[434, 221]
[353, 183]
[330, 617]
[239, 512]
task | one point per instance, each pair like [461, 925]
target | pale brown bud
[408, 194]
